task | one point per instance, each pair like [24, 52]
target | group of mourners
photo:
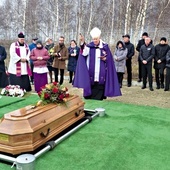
[147, 53]
[91, 66]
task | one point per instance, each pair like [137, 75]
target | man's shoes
[162, 86]
[151, 89]
[129, 85]
[70, 81]
[158, 87]
[143, 87]
[166, 89]
[139, 80]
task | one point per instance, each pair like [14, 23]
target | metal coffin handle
[45, 135]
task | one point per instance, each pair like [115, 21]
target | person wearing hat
[32, 46]
[130, 54]
[95, 71]
[147, 52]
[161, 50]
[39, 56]
[19, 70]
[50, 47]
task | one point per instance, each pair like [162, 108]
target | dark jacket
[131, 50]
[3, 56]
[139, 45]
[72, 60]
[147, 53]
[160, 54]
[168, 59]
[49, 47]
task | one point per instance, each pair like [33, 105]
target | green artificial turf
[6, 100]
[8, 104]
[128, 137]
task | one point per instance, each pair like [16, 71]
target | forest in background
[53, 18]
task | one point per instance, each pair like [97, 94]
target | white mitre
[95, 32]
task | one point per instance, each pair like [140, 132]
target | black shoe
[166, 89]
[162, 86]
[139, 80]
[151, 89]
[70, 81]
[158, 87]
[129, 85]
[143, 87]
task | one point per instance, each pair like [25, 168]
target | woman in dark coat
[73, 51]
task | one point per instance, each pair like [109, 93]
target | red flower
[54, 83]
[46, 95]
[39, 93]
[55, 90]
[67, 95]
[61, 96]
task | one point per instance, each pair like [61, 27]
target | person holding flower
[39, 56]
[50, 47]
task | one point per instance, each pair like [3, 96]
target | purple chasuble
[84, 77]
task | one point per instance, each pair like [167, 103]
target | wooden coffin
[26, 129]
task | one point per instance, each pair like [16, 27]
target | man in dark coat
[161, 50]
[147, 53]
[3, 76]
[95, 71]
[139, 45]
[130, 54]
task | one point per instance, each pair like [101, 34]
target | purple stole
[18, 64]
[102, 72]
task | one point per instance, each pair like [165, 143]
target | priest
[19, 70]
[95, 71]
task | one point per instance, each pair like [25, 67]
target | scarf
[18, 64]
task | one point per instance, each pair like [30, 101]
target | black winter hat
[21, 35]
[163, 39]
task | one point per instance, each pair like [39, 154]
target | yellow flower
[48, 86]
[39, 103]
